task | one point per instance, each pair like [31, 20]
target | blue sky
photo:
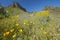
[32, 5]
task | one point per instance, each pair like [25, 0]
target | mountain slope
[52, 9]
[17, 5]
[22, 25]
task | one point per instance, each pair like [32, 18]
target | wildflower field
[21, 25]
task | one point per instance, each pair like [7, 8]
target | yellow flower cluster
[14, 36]
[42, 13]
[44, 32]
[20, 30]
[17, 24]
[17, 16]
[42, 28]
[25, 22]
[6, 33]
[11, 30]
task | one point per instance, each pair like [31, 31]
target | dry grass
[30, 27]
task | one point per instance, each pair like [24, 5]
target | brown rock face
[17, 5]
[52, 9]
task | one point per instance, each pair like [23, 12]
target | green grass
[31, 26]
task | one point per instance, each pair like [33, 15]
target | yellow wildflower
[11, 30]
[42, 28]
[24, 23]
[17, 24]
[44, 13]
[32, 22]
[20, 30]
[14, 36]
[45, 32]
[6, 33]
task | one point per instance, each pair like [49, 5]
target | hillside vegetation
[18, 24]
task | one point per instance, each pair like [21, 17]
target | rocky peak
[17, 5]
[52, 8]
